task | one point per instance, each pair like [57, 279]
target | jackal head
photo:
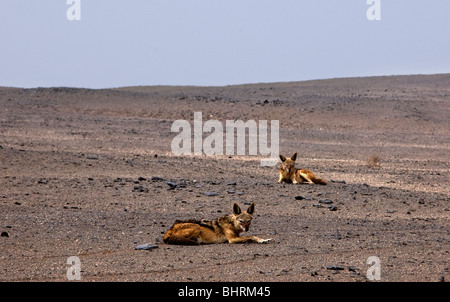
[288, 164]
[242, 220]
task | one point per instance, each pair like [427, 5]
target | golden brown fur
[220, 230]
[290, 174]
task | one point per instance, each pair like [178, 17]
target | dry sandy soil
[85, 173]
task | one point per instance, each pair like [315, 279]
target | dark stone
[325, 201]
[341, 181]
[146, 246]
[332, 207]
[210, 193]
[172, 185]
[335, 268]
[140, 189]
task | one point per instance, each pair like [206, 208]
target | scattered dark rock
[299, 197]
[231, 183]
[213, 182]
[156, 178]
[4, 234]
[182, 184]
[172, 185]
[337, 235]
[43, 181]
[210, 193]
[141, 178]
[146, 246]
[140, 189]
[335, 268]
[325, 201]
[332, 207]
[340, 181]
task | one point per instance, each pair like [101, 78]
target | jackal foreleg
[247, 239]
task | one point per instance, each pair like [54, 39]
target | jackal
[219, 230]
[290, 174]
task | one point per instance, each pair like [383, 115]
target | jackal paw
[264, 240]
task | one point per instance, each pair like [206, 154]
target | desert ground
[90, 173]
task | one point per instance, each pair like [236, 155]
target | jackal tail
[318, 181]
[179, 240]
[308, 176]
[186, 232]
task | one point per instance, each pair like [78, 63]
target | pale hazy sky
[217, 42]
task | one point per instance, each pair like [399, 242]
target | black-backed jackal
[290, 174]
[220, 230]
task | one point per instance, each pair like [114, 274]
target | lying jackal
[290, 174]
[219, 230]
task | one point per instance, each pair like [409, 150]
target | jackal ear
[282, 158]
[294, 156]
[236, 209]
[251, 208]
